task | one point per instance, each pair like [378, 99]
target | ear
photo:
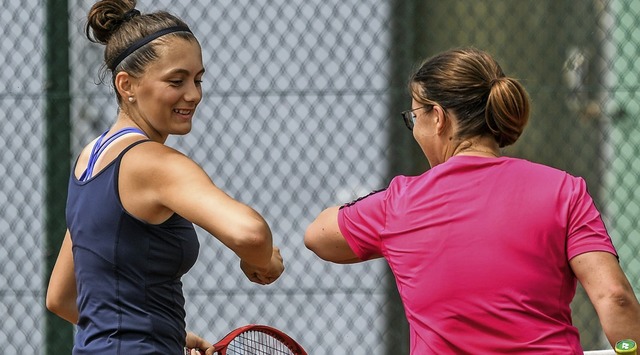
[442, 121]
[124, 84]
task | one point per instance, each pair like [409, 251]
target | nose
[193, 93]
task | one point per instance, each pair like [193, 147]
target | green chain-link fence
[300, 111]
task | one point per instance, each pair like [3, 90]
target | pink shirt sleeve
[361, 223]
[585, 229]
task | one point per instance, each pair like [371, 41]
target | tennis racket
[255, 339]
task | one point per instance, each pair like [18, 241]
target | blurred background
[301, 111]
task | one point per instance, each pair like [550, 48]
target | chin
[181, 131]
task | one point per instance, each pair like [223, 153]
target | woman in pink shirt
[486, 250]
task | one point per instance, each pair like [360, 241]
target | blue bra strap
[99, 147]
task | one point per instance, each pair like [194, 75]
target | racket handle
[626, 347]
[187, 351]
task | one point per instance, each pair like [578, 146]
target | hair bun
[130, 14]
[106, 17]
[507, 110]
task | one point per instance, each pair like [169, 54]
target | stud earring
[131, 99]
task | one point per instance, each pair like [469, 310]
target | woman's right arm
[324, 238]
[61, 293]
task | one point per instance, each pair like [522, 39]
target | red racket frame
[221, 346]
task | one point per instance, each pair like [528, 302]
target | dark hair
[117, 25]
[471, 84]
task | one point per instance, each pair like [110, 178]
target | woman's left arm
[610, 293]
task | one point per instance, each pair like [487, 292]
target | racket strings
[257, 343]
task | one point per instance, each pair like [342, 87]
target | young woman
[485, 249]
[132, 200]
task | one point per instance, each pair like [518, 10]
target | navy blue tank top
[127, 271]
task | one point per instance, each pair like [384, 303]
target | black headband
[142, 41]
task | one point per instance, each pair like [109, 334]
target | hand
[195, 345]
[267, 274]
[210, 351]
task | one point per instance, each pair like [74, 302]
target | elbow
[618, 295]
[618, 300]
[258, 235]
[256, 240]
[314, 243]
[65, 309]
[324, 238]
[54, 304]
[51, 303]
[621, 297]
[311, 241]
[619, 313]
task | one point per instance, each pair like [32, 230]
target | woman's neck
[483, 146]
[125, 120]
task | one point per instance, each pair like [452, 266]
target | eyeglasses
[409, 116]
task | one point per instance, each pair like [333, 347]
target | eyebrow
[183, 71]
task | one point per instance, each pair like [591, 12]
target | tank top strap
[126, 149]
[100, 146]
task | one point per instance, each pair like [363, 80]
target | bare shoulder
[154, 166]
[156, 181]
[156, 159]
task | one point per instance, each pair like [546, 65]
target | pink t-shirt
[480, 250]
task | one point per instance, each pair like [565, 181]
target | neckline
[99, 147]
[489, 154]
[477, 156]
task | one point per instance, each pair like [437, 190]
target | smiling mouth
[183, 112]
